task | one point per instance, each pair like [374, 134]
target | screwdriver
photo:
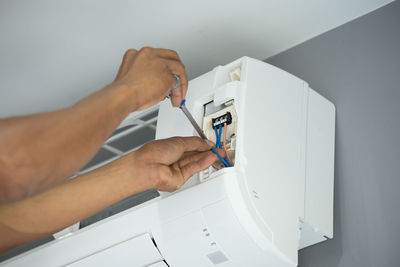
[183, 107]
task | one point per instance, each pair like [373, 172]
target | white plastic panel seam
[232, 237]
[320, 164]
[158, 264]
[309, 236]
[252, 222]
[136, 252]
[188, 234]
[303, 150]
[272, 136]
[226, 92]
[223, 73]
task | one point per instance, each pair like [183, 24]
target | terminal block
[214, 117]
[226, 118]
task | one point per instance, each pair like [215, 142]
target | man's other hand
[150, 73]
[169, 163]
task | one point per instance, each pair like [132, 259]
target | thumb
[193, 167]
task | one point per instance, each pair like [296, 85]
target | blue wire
[219, 145]
[226, 163]
[226, 159]
[219, 136]
[216, 137]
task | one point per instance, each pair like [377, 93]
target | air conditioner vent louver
[136, 130]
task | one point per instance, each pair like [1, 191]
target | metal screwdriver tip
[192, 120]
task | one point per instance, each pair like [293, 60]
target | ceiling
[55, 52]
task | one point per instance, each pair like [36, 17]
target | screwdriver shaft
[192, 121]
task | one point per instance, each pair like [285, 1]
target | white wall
[56, 52]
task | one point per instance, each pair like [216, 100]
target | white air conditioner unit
[275, 200]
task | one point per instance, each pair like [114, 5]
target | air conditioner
[275, 200]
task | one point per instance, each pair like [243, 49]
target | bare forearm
[57, 208]
[42, 150]
[66, 204]
[39, 151]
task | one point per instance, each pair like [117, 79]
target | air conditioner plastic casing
[277, 199]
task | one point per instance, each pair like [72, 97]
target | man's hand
[150, 73]
[169, 163]
[30, 158]
[164, 165]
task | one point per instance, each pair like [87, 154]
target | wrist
[141, 175]
[125, 97]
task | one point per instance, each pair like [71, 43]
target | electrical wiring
[221, 158]
[224, 144]
[218, 144]
[216, 137]
[219, 136]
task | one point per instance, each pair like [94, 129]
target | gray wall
[357, 67]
